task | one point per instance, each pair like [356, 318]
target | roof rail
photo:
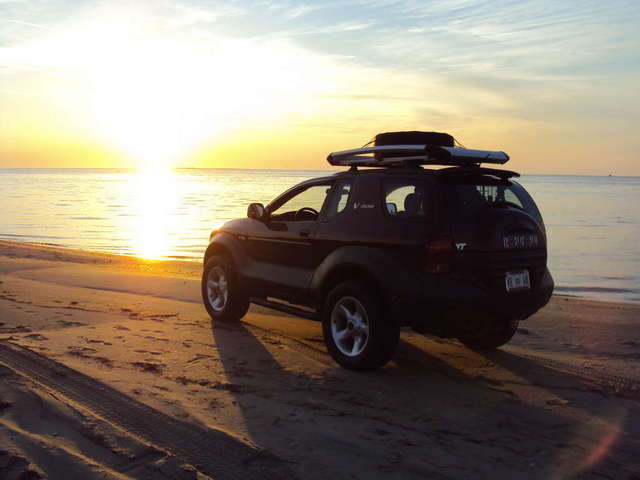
[461, 171]
[389, 155]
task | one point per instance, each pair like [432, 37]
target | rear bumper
[451, 296]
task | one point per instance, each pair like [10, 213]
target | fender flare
[225, 244]
[387, 278]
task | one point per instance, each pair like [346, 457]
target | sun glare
[158, 94]
[158, 99]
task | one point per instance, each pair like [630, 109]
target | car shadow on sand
[419, 417]
[607, 435]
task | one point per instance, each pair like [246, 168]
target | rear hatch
[498, 233]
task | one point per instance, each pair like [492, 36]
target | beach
[111, 368]
[446, 167]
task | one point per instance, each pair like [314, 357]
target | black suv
[455, 252]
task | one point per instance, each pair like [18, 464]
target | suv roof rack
[390, 155]
[462, 171]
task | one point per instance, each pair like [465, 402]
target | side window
[339, 197]
[406, 198]
[304, 206]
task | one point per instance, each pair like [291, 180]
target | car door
[336, 227]
[283, 255]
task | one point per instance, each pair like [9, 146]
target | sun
[139, 85]
[159, 98]
[152, 100]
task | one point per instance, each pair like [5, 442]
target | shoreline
[93, 256]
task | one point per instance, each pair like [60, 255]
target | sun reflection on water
[156, 197]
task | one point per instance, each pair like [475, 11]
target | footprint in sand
[18, 329]
[66, 323]
[36, 336]
[156, 338]
[90, 340]
[199, 357]
[81, 350]
[149, 367]
[86, 352]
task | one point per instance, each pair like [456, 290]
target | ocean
[593, 223]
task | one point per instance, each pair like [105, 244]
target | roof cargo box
[414, 138]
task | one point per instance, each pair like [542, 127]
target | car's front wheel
[356, 333]
[490, 332]
[222, 293]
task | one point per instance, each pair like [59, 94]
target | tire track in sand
[211, 451]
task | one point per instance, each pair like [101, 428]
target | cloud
[498, 66]
[183, 15]
[29, 24]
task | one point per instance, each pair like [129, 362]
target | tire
[491, 333]
[227, 302]
[356, 333]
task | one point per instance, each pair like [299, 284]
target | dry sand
[111, 368]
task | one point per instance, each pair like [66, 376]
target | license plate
[517, 280]
[525, 240]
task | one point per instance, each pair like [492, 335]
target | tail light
[438, 254]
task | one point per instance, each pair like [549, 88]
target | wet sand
[111, 368]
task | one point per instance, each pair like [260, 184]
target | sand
[111, 368]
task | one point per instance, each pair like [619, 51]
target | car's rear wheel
[222, 293]
[356, 333]
[490, 332]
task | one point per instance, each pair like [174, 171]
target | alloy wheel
[217, 288]
[350, 326]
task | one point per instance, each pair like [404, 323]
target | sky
[280, 84]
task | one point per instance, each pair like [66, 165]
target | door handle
[305, 232]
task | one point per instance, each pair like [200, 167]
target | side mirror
[256, 211]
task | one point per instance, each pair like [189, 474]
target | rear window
[475, 194]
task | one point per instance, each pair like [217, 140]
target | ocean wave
[19, 236]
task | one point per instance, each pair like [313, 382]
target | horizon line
[132, 169]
